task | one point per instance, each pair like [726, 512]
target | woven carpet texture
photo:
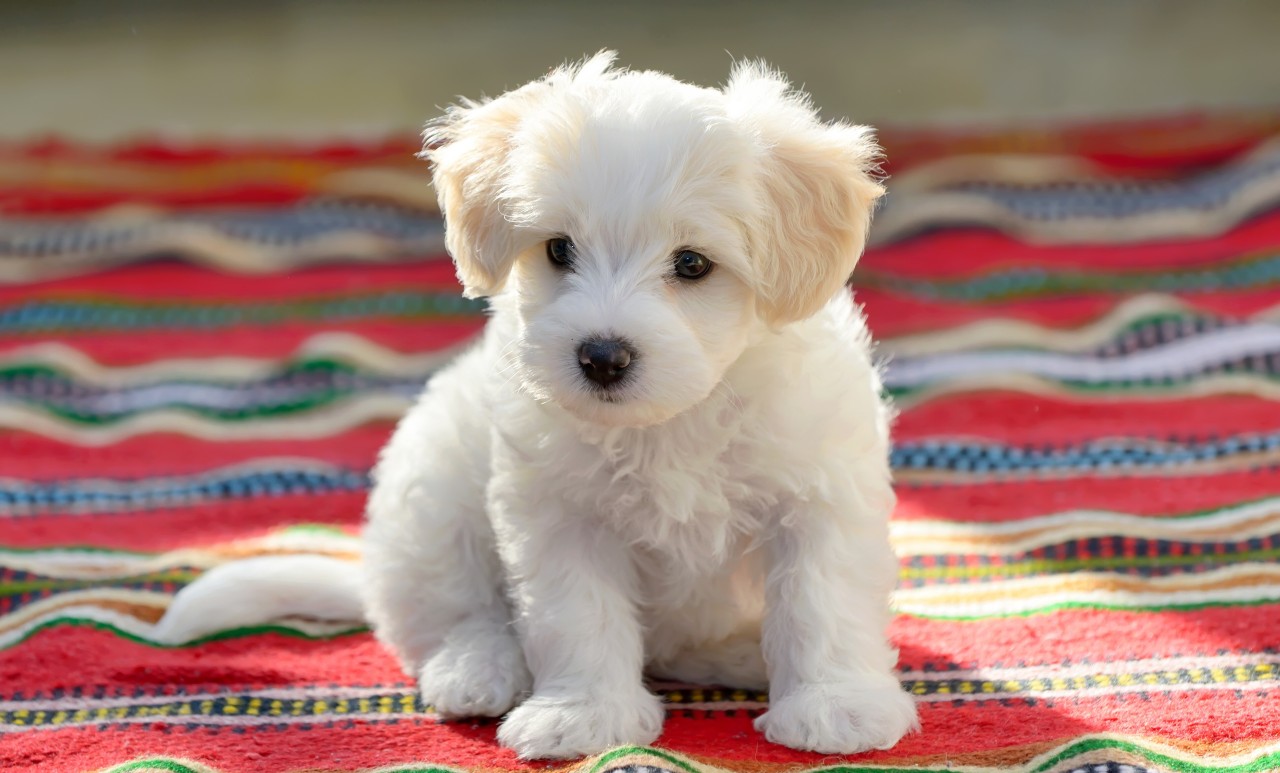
[202, 348]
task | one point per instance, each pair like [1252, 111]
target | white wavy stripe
[204, 396]
[218, 397]
[368, 356]
[89, 612]
[1006, 169]
[915, 212]
[348, 348]
[85, 605]
[1173, 359]
[73, 564]
[205, 246]
[331, 419]
[1005, 333]
[57, 606]
[1025, 595]
[403, 187]
[1203, 386]
[350, 411]
[406, 187]
[1255, 519]
[1100, 598]
[1034, 170]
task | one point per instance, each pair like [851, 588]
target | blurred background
[102, 70]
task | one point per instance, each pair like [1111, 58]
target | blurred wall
[105, 69]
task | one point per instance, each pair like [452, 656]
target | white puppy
[669, 451]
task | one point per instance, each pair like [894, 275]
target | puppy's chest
[684, 498]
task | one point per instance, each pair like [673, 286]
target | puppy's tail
[259, 590]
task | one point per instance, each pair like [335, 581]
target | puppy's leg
[434, 588]
[435, 600]
[831, 669]
[574, 586]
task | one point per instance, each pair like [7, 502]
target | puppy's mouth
[607, 396]
[621, 404]
[616, 393]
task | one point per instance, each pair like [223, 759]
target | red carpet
[203, 347]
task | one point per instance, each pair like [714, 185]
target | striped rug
[202, 348]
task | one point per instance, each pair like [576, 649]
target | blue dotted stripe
[145, 494]
[976, 458]
[985, 458]
[63, 316]
[1116, 200]
[282, 227]
[1152, 334]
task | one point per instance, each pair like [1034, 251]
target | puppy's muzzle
[605, 361]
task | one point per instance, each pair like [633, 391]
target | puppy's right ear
[469, 148]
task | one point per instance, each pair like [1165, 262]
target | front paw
[480, 675]
[547, 727]
[840, 718]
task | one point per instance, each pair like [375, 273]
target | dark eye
[692, 265]
[560, 252]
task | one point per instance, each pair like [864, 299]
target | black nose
[604, 362]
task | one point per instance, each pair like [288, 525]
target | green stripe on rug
[1013, 284]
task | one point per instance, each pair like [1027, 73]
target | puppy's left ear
[469, 148]
[818, 190]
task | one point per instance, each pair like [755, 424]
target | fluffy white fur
[534, 544]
